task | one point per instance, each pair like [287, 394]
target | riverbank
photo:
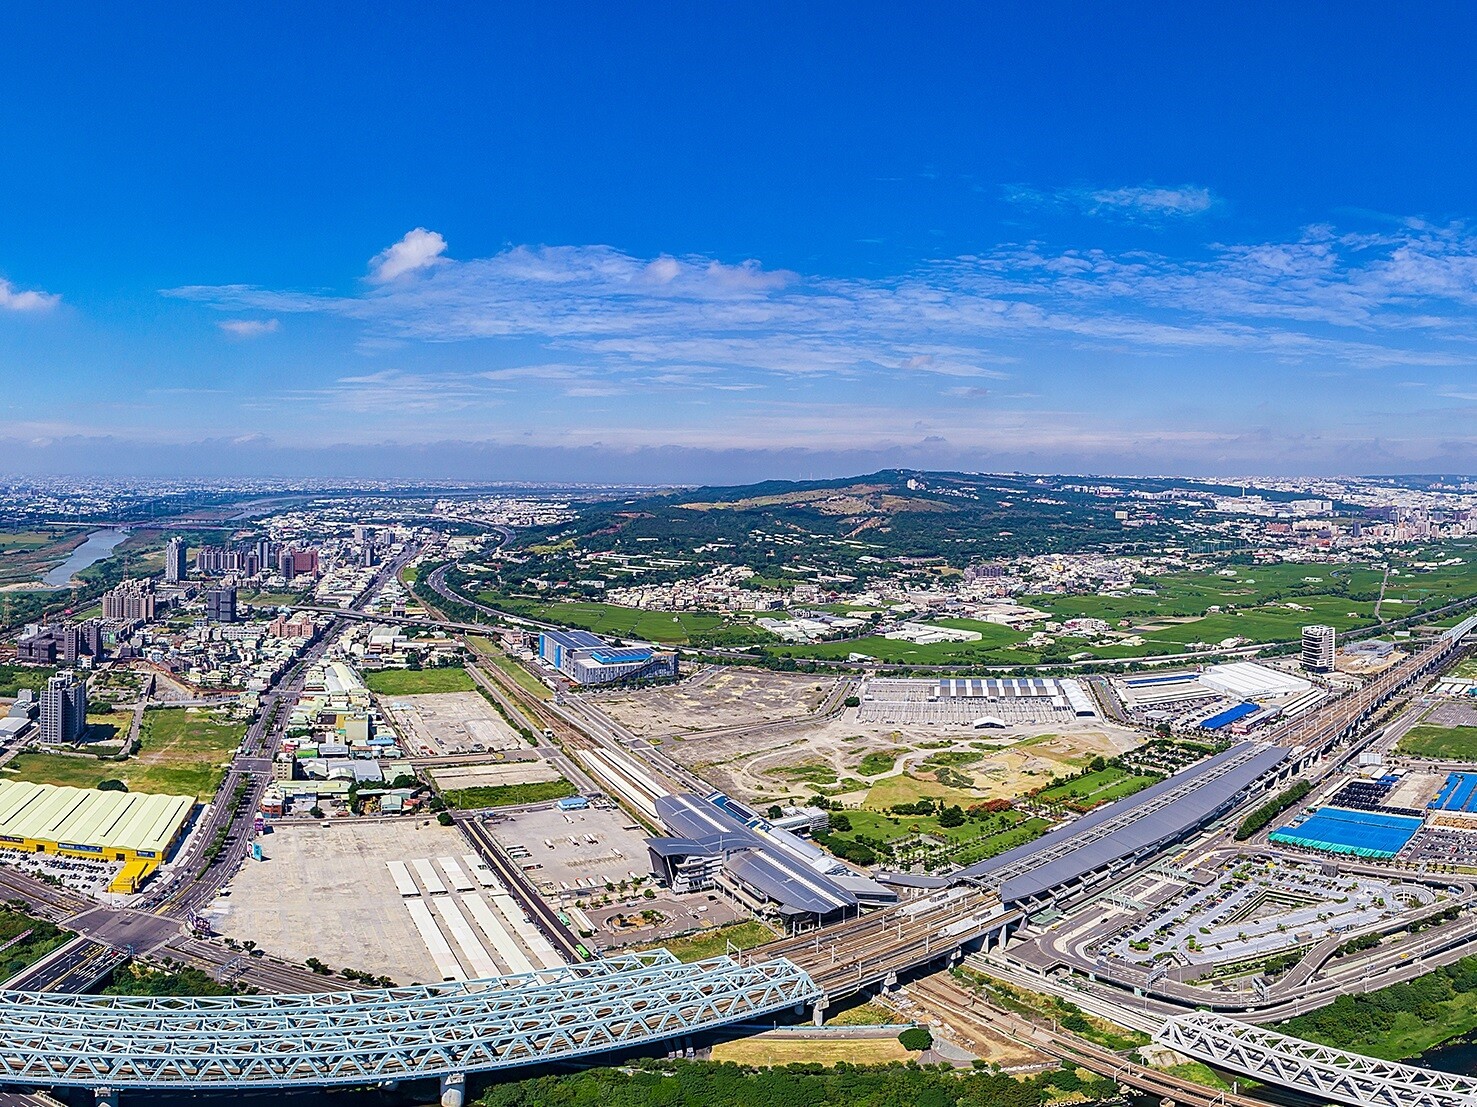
[1416, 1020]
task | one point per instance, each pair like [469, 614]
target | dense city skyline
[790, 245]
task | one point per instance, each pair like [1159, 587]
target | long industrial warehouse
[131, 827]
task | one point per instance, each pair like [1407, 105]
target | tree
[444, 818]
[112, 786]
[852, 701]
[951, 816]
[775, 812]
[840, 822]
[916, 1039]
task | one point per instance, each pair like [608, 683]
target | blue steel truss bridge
[436, 1031]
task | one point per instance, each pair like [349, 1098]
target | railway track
[967, 1011]
[544, 916]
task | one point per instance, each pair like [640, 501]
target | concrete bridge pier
[453, 1089]
[820, 1011]
[105, 1097]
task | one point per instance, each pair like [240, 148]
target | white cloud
[249, 328]
[1142, 202]
[16, 299]
[419, 249]
[592, 315]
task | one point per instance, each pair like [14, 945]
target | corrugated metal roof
[78, 816]
[1158, 815]
[750, 857]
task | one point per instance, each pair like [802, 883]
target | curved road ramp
[435, 1031]
[1316, 1070]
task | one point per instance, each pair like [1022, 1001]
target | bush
[444, 818]
[916, 1039]
[112, 786]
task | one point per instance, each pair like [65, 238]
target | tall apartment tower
[220, 604]
[175, 568]
[1318, 649]
[63, 709]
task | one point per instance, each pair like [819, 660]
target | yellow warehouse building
[133, 827]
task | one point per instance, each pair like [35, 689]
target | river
[99, 545]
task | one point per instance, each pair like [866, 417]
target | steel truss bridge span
[1316, 1070]
[363, 1037]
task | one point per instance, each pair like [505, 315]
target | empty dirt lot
[714, 698]
[827, 757]
[450, 723]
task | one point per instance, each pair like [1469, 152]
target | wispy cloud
[249, 328]
[1138, 202]
[1400, 298]
[16, 299]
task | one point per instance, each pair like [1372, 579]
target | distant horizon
[436, 481]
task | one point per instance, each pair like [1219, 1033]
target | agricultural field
[1441, 743]
[419, 682]
[182, 752]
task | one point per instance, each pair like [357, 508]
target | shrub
[916, 1039]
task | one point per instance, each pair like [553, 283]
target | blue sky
[672, 243]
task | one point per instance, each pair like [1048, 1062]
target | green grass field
[670, 627]
[419, 682]
[997, 648]
[11, 540]
[1441, 743]
[108, 727]
[506, 795]
[495, 654]
[1096, 789]
[906, 788]
[182, 753]
[41, 938]
[715, 942]
[15, 677]
[274, 599]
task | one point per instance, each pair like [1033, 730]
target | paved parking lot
[327, 892]
[568, 853]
